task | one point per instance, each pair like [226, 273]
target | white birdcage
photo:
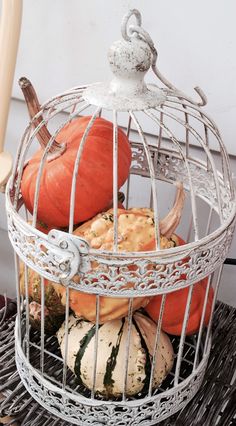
[131, 370]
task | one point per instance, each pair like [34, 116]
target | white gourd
[112, 342]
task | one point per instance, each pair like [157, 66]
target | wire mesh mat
[214, 404]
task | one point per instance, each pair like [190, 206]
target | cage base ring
[79, 410]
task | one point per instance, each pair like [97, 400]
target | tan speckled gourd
[136, 233]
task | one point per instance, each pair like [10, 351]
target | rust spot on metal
[141, 67]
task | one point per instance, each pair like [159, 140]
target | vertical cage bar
[182, 338]
[151, 200]
[196, 357]
[210, 125]
[156, 344]
[76, 168]
[27, 310]
[128, 180]
[175, 142]
[160, 130]
[153, 181]
[127, 192]
[64, 373]
[19, 164]
[205, 147]
[42, 324]
[186, 132]
[96, 345]
[189, 229]
[18, 295]
[115, 180]
[44, 158]
[209, 221]
[128, 127]
[207, 142]
[127, 349]
[212, 308]
[25, 150]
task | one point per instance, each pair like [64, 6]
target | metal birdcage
[174, 144]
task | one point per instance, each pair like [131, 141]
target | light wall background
[64, 44]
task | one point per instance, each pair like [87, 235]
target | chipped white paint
[129, 61]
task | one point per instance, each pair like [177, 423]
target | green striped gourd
[112, 343]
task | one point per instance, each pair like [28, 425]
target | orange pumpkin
[175, 305]
[174, 310]
[94, 181]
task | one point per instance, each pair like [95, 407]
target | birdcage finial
[138, 32]
[130, 58]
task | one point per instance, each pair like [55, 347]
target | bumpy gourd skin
[112, 342]
[136, 233]
[94, 187]
[54, 311]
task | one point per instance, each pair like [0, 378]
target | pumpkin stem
[171, 221]
[33, 106]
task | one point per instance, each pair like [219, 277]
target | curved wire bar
[127, 348]
[128, 180]
[207, 151]
[50, 109]
[76, 168]
[25, 145]
[27, 133]
[115, 181]
[156, 343]
[63, 97]
[219, 273]
[124, 23]
[137, 30]
[42, 302]
[174, 140]
[27, 322]
[44, 158]
[65, 358]
[15, 176]
[183, 334]
[18, 295]
[200, 117]
[210, 125]
[200, 331]
[153, 180]
[96, 345]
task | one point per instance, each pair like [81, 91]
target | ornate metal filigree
[54, 256]
[82, 411]
[60, 257]
[154, 275]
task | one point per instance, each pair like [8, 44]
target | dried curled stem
[172, 220]
[33, 106]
